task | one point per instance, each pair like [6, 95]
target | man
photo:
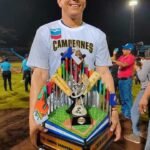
[26, 73]
[143, 73]
[6, 73]
[143, 107]
[53, 39]
[125, 72]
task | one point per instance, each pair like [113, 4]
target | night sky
[19, 20]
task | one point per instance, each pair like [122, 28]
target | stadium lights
[133, 3]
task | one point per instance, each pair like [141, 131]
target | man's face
[126, 51]
[72, 8]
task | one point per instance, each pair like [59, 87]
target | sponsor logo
[55, 33]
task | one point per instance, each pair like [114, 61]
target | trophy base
[51, 141]
[81, 120]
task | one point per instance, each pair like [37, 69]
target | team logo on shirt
[57, 44]
[55, 33]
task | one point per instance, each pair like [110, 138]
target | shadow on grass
[24, 98]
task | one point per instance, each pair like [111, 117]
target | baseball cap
[128, 46]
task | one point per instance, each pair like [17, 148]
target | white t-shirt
[54, 38]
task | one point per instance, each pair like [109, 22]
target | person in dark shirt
[26, 73]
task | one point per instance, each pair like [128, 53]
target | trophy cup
[78, 111]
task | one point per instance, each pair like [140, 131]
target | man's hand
[143, 105]
[113, 59]
[34, 129]
[115, 127]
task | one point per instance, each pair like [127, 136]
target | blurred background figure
[139, 64]
[142, 69]
[1, 60]
[114, 68]
[125, 72]
[6, 73]
[144, 106]
[26, 73]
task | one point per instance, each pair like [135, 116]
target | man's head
[127, 48]
[72, 8]
[6, 59]
[26, 56]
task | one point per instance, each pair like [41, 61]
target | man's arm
[39, 78]
[108, 80]
[143, 105]
[119, 63]
[143, 72]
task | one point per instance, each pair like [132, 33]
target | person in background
[55, 38]
[114, 69]
[143, 73]
[143, 108]
[26, 73]
[139, 61]
[125, 72]
[1, 60]
[6, 73]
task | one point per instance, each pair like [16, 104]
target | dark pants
[7, 76]
[27, 79]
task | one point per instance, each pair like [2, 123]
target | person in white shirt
[54, 38]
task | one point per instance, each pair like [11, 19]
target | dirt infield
[13, 127]
[14, 132]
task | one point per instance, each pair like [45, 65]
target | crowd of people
[128, 67]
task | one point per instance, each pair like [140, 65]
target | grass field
[17, 98]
